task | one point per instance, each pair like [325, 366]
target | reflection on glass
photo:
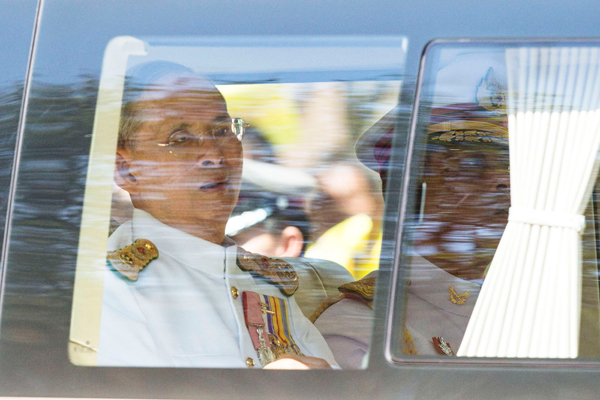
[227, 250]
[463, 199]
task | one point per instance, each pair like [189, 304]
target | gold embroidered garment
[130, 260]
[273, 270]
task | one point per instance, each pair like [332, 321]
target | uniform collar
[190, 250]
[432, 284]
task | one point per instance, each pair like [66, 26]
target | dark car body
[52, 54]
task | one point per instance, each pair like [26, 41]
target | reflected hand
[293, 361]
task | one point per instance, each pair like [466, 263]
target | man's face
[466, 206]
[184, 166]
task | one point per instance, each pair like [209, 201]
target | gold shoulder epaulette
[273, 270]
[130, 260]
[362, 290]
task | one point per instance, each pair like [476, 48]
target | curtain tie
[547, 218]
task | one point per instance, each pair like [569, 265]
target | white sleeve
[346, 327]
[307, 336]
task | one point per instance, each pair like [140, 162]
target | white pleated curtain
[530, 302]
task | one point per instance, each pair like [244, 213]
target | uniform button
[234, 292]
[249, 362]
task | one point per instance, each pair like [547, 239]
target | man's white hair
[153, 81]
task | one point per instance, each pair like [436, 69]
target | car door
[57, 142]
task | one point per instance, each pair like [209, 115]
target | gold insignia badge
[274, 271]
[362, 290]
[130, 260]
[460, 299]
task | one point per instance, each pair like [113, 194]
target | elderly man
[178, 292]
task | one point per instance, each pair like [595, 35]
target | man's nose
[211, 154]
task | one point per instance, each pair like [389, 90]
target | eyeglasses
[182, 142]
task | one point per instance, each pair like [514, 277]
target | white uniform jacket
[347, 325]
[182, 311]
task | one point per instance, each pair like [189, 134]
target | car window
[225, 205]
[500, 257]
[44, 342]
[16, 29]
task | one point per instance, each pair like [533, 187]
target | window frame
[407, 189]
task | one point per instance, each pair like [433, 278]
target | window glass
[499, 257]
[16, 28]
[226, 213]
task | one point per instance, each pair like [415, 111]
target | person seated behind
[269, 218]
[271, 224]
[465, 201]
[349, 210]
[178, 292]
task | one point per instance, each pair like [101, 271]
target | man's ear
[291, 242]
[123, 175]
